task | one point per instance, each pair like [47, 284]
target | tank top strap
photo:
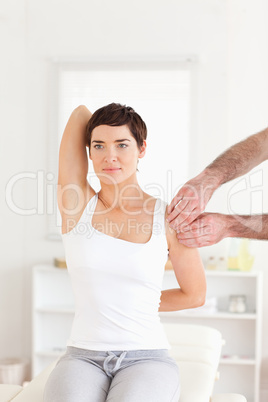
[90, 208]
[159, 216]
[160, 209]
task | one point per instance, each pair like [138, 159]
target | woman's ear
[142, 150]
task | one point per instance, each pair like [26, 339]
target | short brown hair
[116, 114]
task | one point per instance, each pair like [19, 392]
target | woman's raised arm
[73, 161]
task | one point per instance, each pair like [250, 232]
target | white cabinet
[241, 354]
[53, 312]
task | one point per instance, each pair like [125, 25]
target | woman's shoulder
[160, 209]
[152, 201]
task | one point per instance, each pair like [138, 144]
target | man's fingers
[186, 219]
[179, 209]
[204, 231]
[182, 207]
[199, 227]
[201, 241]
[173, 203]
[192, 233]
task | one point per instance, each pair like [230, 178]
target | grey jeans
[120, 376]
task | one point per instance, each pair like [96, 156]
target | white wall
[230, 39]
[247, 110]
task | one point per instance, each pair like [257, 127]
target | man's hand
[207, 229]
[191, 200]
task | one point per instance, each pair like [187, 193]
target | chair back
[197, 350]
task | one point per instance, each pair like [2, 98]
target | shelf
[50, 353]
[218, 315]
[48, 268]
[227, 273]
[55, 310]
[238, 361]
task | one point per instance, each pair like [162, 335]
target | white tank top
[117, 286]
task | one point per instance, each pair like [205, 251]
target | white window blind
[160, 93]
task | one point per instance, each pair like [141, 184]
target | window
[159, 91]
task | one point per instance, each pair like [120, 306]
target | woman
[116, 244]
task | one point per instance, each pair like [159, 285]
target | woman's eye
[99, 146]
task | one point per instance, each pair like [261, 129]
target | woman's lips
[112, 169]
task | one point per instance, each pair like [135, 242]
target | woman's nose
[111, 155]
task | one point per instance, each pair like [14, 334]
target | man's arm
[240, 158]
[193, 197]
[210, 228]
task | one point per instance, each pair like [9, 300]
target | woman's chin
[112, 179]
[113, 182]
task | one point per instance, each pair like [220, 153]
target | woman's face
[114, 153]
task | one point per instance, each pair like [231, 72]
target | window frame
[57, 66]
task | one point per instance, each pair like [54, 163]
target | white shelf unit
[53, 312]
[241, 354]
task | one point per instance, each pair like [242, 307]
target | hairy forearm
[247, 226]
[240, 158]
[176, 299]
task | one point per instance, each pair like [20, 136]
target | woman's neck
[122, 195]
